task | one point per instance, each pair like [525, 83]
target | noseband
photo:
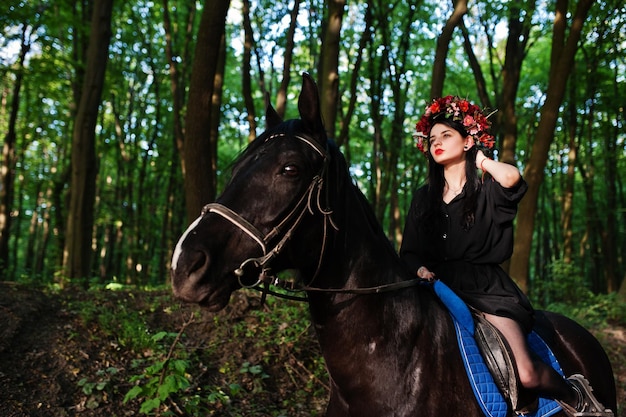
[310, 201]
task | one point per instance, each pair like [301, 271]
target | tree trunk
[328, 72]
[378, 144]
[281, 95]
[246, 71]
[343, 137]
[481, 83]
[177, 72]
[443, 45]
[567, 208]
[33, 229]
[519, 30]
[563, 53]
[7, 164]
[611, 227]
[199, 158]
[216, 114]
[395, 65]
[42, 249]
[590, 247]
[77, 252]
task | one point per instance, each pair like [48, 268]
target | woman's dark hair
[437, 182]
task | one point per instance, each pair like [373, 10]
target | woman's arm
[505, 174]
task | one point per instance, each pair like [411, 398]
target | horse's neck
[369, 256]
[361, 256]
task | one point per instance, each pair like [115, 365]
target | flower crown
[459, 110]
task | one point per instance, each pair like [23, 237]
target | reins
[291, 286]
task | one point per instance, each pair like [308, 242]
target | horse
[389, 345]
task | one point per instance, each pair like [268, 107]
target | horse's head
[275, 190]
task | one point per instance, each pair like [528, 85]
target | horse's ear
[309, 105]
[271, 115]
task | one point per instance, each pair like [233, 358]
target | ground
[55, 361]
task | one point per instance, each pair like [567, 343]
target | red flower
[468, 120]
[459, 110]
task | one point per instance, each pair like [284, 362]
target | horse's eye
[290, 170]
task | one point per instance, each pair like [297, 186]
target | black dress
[468, 261]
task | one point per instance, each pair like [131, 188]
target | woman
[460, 229]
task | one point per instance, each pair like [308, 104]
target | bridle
[310, 202]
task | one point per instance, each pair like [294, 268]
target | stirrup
[528, 409]
[588, 405]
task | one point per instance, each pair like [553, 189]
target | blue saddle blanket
[485, 389]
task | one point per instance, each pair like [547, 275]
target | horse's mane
[354, 199]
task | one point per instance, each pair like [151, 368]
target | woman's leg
[534, 375]
[575, 394]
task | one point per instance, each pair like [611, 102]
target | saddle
[490, 364]
[501, 364]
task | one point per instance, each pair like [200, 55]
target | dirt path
[34, 378]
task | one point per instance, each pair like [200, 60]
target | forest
[120, 120]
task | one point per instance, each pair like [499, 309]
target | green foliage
[564, 284]
[163, 380]
[277, 331]
[257, 374]
[124, 324]
[96, 389]
[566, 292]
[163, 377]
[594, 311]
[166, 379]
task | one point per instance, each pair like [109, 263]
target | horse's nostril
[198, 262]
